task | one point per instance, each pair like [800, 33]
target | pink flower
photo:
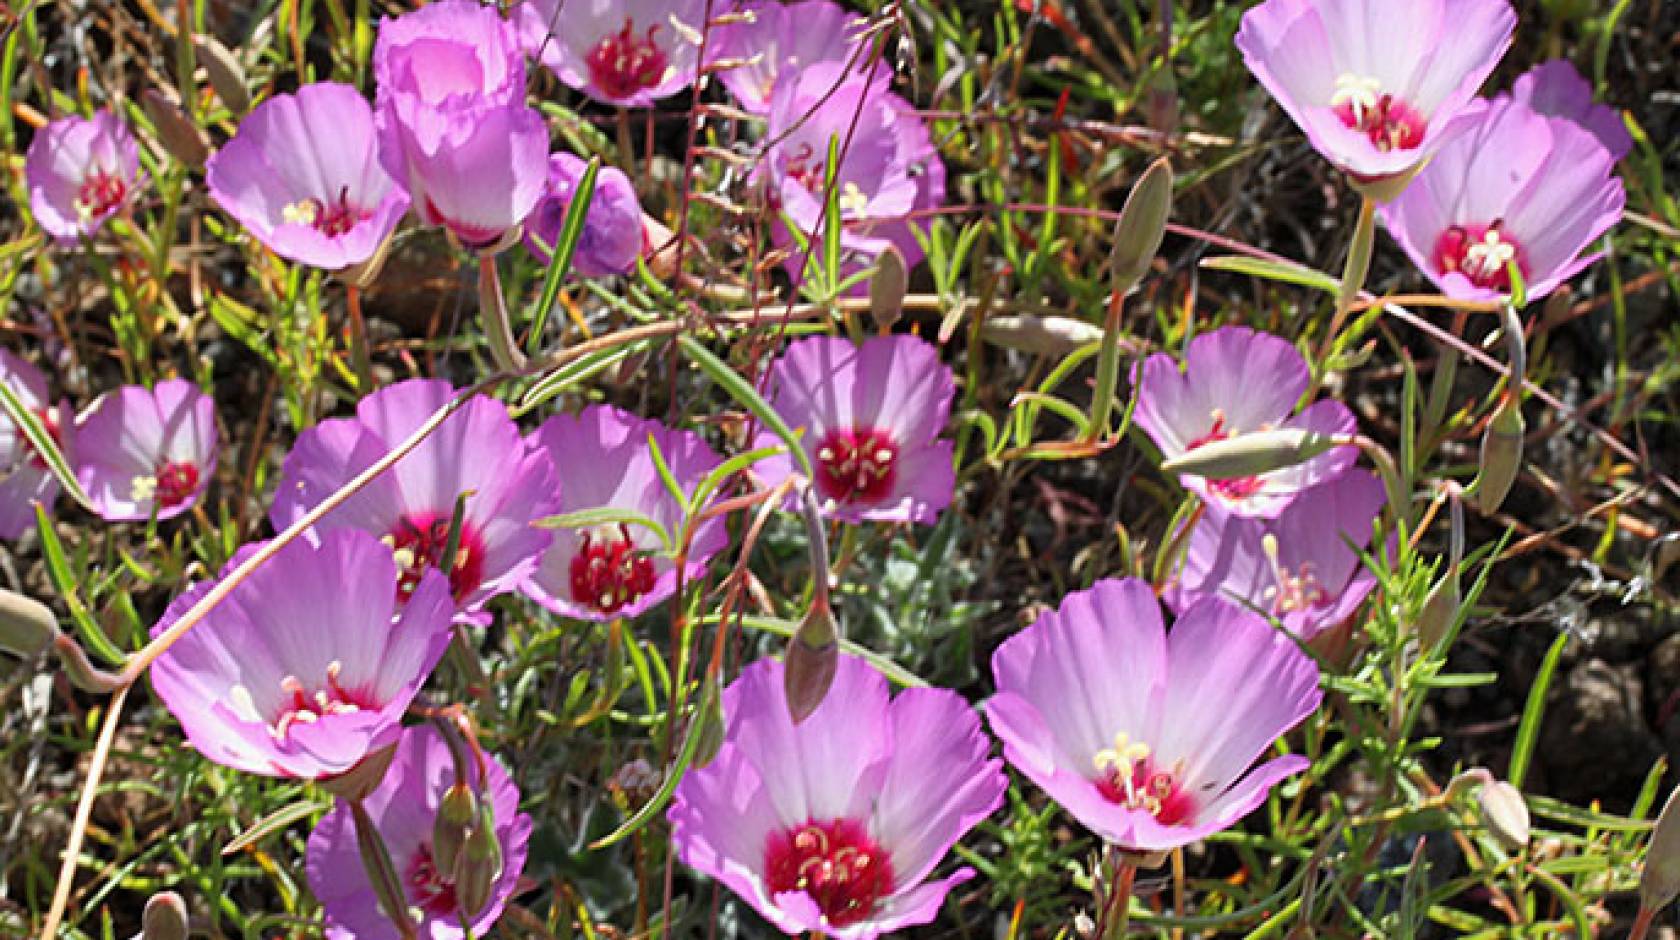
[782, 40]
[1236, 381]
[24, 478]
[612, 237]
[1375, 83]
[1509, 185]
[303, 176]
[871, 417]
[141, 452]
[603, 460]
[453, 125]
[834, 825]
[308, 665]
[80, 173]
[1555, 89]
[628, 53]
[1148, 738]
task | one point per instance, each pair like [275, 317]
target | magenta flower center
[49, 420]
[330, 218]
[1294, 590]
[1390, 122]
[1235, 487]
[301, 706]
[1482, 253]
[608, 572]
[432, 890]
[626, 62]
[836, 863]
[176, 481]
[99, 193]
[418, 544]
[1129, 777]
[856, 465]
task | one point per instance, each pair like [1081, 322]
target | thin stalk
[1122, 898]
[1108, 371]
[376, 860]
[360, 356]
[1353, 273]
[492, 309]
[1642, 923]
[84, 813]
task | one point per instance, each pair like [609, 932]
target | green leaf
[64, 582]
[1528, 731]
[747, 396]
[573, 372]
[605, 515]
[560, 259]
[1296, 274]
[691, 746]
[274, 822]
[39, 438]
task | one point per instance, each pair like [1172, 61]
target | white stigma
[142, 489]
[1359, 92]
[302, 212]
[853, 199]
[1122, 760]
[1489, 256]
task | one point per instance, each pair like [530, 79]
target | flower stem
[1108, 371]
[1353, 274]
[360, 358]
[1642, 923]
[492, 309]
[1122, 898]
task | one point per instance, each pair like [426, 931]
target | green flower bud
[27, 626]
[480, 864]
[1050, 336]
[165, 917]
[1142, 225]
[226, 75]
[184, 141]
[887, 287]
[449, 830]
[1505, 813]
[1502, 451]
[813, 655]
[1252, 454]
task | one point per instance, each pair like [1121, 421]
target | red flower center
[305, 707]
[1390, 122]
[608, 572]
[1482, 253]
[330, 218]
[99, 193]
[626, 62]
[1130, 778]
[856, 465]
[431, 890]
[176, 481]
[419, 542]
[1235, 487]
[835, 862]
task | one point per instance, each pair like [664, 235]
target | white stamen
[1359, 92]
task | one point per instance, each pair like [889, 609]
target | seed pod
[27, 626]
[1659, 883]
[478, 867]
[1049, 336]
[226, 75]
[1501, 458]
[887, 287]
[184, 141]
[1505, 812]
[449, 830]
[1142, 225]
[165, 917]
[1252, 454]
[813, 655]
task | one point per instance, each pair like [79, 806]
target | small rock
[1594, 742]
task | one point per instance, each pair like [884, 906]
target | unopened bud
[449, 829]
[184, 141]
[480, 863]
[226, 75]
[1659, 883]
[1439, 611]
[1252, 454]
[1162, 110]
[27, 626]
[887, 287]
[1502, 451]
[813, 655]
[165, 917]
[1049, 336]
[1142, 225]
[659, 248]
[1505, 813]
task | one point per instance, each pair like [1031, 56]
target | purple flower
[1302, 568]
[80, 173]
[889, 170]
[833, 825]
[1555, 89]
[871, 417]
[611, 239]
[784, 39]
[1148, 738]
[1374, 83]
[403, 809]
[308, 666]
[303, 176]
[453, 125]
[24, 477]
[1510, 185]
[1236, 381]
[603, 460]
[143, 451]
[629, 53]
[478, 450]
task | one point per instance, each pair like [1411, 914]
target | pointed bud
[226, 75]
[480, 864]
[1162, 109]
[1502, 451]
[1142, 225]
[1050, 336]
[1252, 454]
[1505, 813]
[1439, 611]
[1659, 883]
[176, 132]
[27, 626]
[813, 655]
[887, 287]
[165, 917]
[449, 830]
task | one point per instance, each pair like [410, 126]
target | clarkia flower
[888, 169]
[453, 125]
[1510, 185]
[629, 53]
[309, 664]
[1147, 738]
[834, 825]
[1374, 83]
[871, 417]
[782, 39]
[1555, 89]
[603, 460]
[403, 809]
[1236, 381]
[477, 451]
[143, 451]
[80, 172]
[1302, 567]
[303, 176]
[612, 237]
[24, 477]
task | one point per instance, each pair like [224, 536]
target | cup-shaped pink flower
[303, 176]
[612, 237]
[1555, 89]
[1509, 186]
[143, 451]
[1237, 381]
[309, 664]
[403, 809]
[888, 169]
[628, 53]
[783, 39]
[80, 172]
[835, 825]
[603, 461]
[871, 417]
[1302, 568]
[25, 480]
[453, 126]
[1148, 738]
[478, 451]
[1374, 83]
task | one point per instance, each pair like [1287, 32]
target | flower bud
[1502, 450]
[1142, 225]
[1049, 336]
[887, 287]
[1162, 109]
[165, 917]
[27, 626]
[1439, 611]
[813, 655]
[480, 864]
[1659, 883]
[362, 779]
[184, 141]
[449, 830]
[1505, 813]
[226, 75]
[1252, 454]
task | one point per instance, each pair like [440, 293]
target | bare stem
[84, 812]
